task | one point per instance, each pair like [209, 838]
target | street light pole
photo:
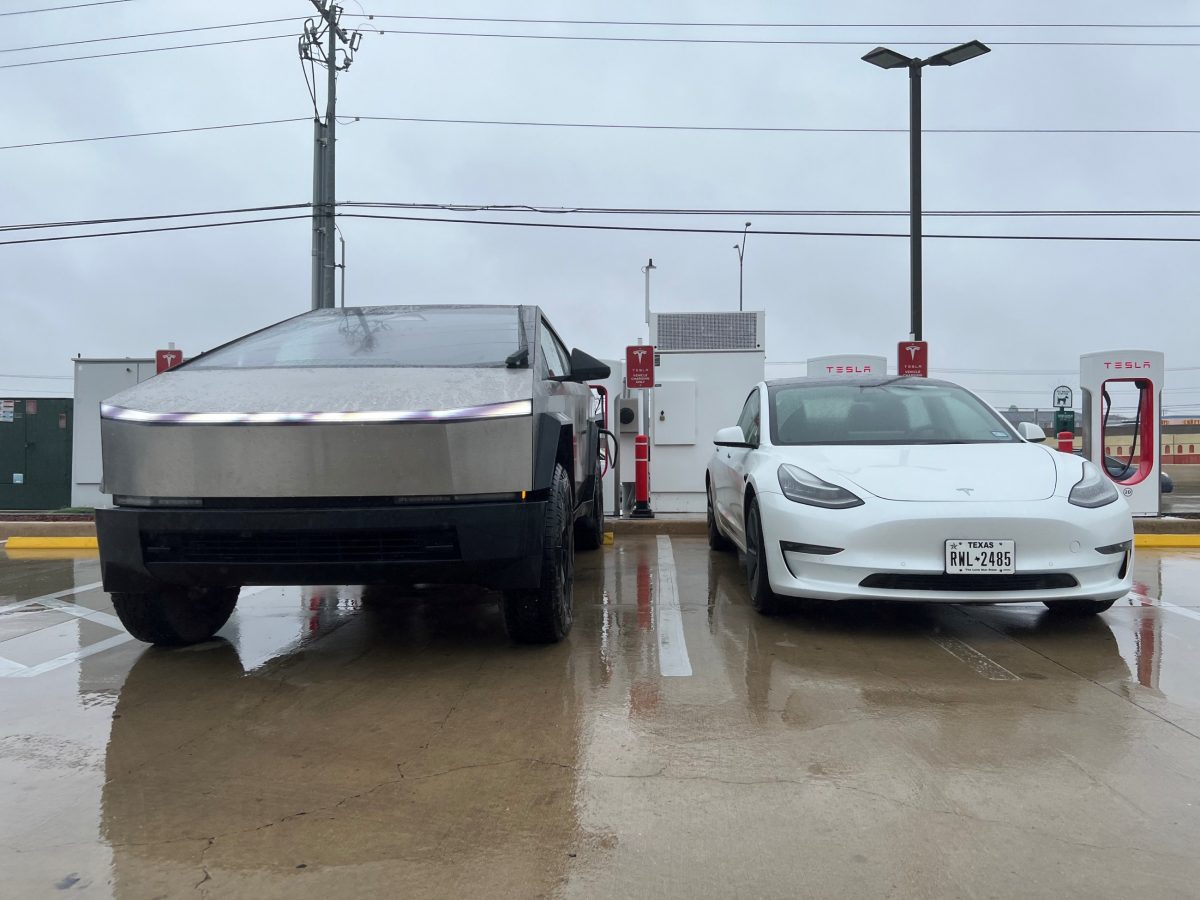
[890, 59]
[914, 197]
[741, 252]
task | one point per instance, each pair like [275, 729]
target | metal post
[646, 269]
[318, 243]
[330, 253]
[914, 183]
[343, 268]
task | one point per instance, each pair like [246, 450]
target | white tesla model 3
[880, 488]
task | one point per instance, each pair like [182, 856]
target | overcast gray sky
[1006, 317]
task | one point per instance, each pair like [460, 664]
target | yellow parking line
[1166, 540]
[51, 543]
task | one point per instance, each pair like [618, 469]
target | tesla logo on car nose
[967, 491]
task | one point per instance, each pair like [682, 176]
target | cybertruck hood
[324, 390]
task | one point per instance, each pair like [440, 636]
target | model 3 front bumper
[907, 540]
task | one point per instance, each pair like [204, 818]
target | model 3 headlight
[805, 487]
[1093, 489]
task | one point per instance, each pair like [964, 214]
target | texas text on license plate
[969, 557]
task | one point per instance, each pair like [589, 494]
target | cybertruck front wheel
[543, 615]
[174, 615]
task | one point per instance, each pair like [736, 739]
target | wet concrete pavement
[351, 742]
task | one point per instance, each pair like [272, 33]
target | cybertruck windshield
[424, 336]
[897, 412]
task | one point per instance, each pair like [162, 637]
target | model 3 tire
[716, 540]
[765, 600]
[544, 614]
[589, 531]
[1078, 607]
[174, 615]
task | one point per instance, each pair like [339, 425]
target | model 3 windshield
[893, 413]
[447, 336]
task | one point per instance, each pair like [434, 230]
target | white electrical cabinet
[705, 365]
[95, 381]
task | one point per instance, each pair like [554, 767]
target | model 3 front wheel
[765, 600]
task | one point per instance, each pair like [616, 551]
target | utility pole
[324, 240]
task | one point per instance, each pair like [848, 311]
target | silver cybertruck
[355, 446]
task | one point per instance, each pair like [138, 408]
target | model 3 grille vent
[1022, 581]
[232, 548]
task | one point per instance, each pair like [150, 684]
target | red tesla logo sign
[639, 366]
[913, 358]
[167, 359]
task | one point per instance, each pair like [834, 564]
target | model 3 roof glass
[904, 412]
[458, 337]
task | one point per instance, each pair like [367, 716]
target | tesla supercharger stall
[1130, 432]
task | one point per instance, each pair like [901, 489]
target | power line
[75, 237]
[770, 129]
[147, 34]
[833, 213]
[607, 38]
[907, 42]
[118, 137]
[871, 234]
[155, 217]
[25, 12]
[510, 223]
[612, 125]
[38, 377]
[46, 62]
[754, 24]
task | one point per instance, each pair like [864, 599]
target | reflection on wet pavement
[366, 741]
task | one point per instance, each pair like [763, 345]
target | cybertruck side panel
[408, 459]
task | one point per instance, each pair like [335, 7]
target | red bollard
[641, 460]
[1066, 441]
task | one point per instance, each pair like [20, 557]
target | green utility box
[35, 452]
[1064, 420]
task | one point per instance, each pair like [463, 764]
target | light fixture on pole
[890, 59]
[646, 271]
[741, 252]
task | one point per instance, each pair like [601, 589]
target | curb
[48, 542]
[1171, 533]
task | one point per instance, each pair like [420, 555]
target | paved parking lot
[350, 742]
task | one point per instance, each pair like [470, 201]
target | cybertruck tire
[543, 615]
[174, 615]
[589, 531]
[1078, 607]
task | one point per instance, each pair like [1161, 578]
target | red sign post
[913, 358]
[166, 359]
[639, 366]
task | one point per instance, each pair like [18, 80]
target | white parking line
[1184, 611]
[74, 656]
[980, 663]
[672, 648]
[1180, 610]
[20, 604]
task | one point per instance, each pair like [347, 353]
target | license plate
[969, 557]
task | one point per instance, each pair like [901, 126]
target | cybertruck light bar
[492, 411]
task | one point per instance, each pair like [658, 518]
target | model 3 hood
[940, 472]
[325, 390]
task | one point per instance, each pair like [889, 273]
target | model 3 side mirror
[730, 437]
[1031, 432]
